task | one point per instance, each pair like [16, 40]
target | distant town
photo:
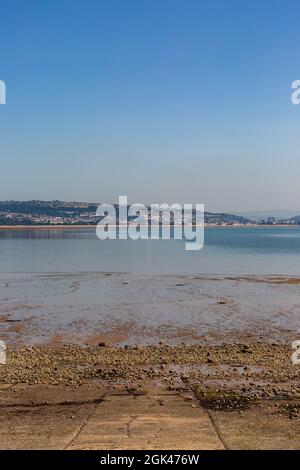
[14, 213]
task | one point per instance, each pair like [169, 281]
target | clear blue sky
[162, 100]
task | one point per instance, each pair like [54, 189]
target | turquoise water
[228, 250]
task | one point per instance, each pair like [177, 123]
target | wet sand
[231, 396]
[81, 347]
[252, 370]
[122, 308]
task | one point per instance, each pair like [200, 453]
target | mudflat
[128, 361]
[122, 308]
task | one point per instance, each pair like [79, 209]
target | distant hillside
[46, 212]
[54, 208]
[264, 215]
[221, 218]
[59, 212]
[295, 220]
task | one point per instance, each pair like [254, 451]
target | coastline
[104, 360]
[84, 384]
[68, 227]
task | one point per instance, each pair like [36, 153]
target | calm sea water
[229, 250]
[68, 284]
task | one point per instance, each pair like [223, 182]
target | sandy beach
[231, 396]
[123, 308]
[93, 226]
[225, 379]
[102, 359]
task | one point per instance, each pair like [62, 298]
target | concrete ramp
[154, 420]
